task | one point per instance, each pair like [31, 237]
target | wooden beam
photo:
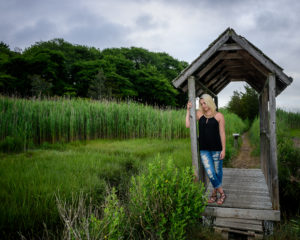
[264, 132]
[261, 214]
[273, 142]
[222, 80]
[206, 89]
[216, 79]
[216, 102]
[216, 71]
[211, 64]
[200, 60]
[193, 127]
[229, 47]
[262, 59]
[232, 56]
[221, 87]
[254, 63]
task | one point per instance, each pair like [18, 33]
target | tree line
[57, 67]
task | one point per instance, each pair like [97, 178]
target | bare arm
[222, 134]
[187, 117]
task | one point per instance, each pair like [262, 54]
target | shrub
[83, 221]
[11, 144]
[164, 201]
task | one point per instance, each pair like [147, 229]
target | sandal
[213, 198]
[222, 198]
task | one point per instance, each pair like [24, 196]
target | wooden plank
[272, 215]
[254, 63]
[259, 192]
[200, 60]
[250, 221]
[230, 47]
[211, 64]
[273, 143]
[239, 225]
[206, 89]
[242, 203]
[230, 56]
[222, 86]
[193, 127]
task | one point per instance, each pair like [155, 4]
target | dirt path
[244, 158]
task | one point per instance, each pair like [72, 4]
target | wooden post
[273, 142]
[264, 132]
[216, 102]
[193, 126]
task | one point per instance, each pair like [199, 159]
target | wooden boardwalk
[248, 203]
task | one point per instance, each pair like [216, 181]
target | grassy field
[30, 122]
[62, 156]
[30, 180]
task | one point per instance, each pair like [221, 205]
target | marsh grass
[30, 180]
[35, 121]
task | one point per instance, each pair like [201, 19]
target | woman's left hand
[222, 154]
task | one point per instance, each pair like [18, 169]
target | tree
[245, 105]
[40, 86]
[97, 88]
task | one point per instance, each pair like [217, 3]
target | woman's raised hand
[189, 105]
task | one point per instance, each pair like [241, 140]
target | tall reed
[63, 120]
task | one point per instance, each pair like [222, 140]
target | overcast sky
[182, 29]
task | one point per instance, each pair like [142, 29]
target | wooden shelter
[252, 194]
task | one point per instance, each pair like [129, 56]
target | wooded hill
[57, 67]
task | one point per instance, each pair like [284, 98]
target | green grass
[29, 180]
[295, 133]
[34, 121]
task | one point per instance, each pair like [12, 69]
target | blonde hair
[209, 102]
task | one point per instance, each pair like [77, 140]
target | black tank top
[209, 135]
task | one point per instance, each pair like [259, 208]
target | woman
[211, 143]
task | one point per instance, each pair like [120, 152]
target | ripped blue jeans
[213, 166]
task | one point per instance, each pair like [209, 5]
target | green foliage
[290, 119]
[245, 105]
[64, 120]
[11, 144]
[40, 86]
[255, 137]
[164, 201]
[83, 221]
[97, 88]
[288, 159]
[286, 230]
[233, 124]
[289, 175]
[134, 73]
[30, 180]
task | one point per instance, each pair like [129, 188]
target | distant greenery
[57, 67]
[233, 124]
[245, 104]
[288, 159]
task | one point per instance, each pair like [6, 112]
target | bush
[82, 221]
[164, 201]
[289, 175]
[11, 144]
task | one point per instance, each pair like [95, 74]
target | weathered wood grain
[261, 214]
[193, 127]
[273, 143]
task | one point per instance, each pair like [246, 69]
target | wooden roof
[231, 58]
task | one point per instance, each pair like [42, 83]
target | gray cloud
[182, 28]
